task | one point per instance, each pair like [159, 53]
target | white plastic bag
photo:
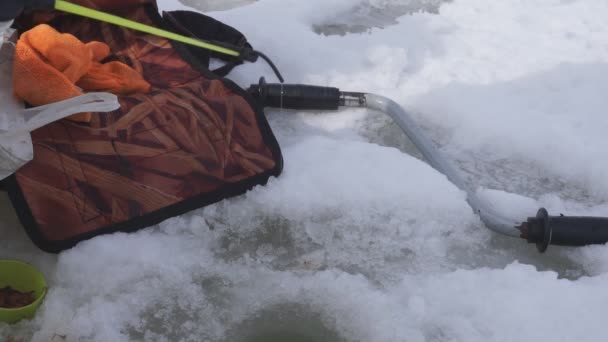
[4, 27]
[16, 122]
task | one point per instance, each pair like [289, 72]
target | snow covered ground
[358, 240]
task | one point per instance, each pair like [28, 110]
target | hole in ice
[292, 322]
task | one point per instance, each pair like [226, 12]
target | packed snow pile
[359, 239]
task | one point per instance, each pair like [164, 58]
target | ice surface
[357, 240]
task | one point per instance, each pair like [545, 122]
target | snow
[358, 240]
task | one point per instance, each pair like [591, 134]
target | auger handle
[545, 230]
[296, 96]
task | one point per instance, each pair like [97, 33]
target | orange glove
[48, 65]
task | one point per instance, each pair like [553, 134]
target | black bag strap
[198, 25]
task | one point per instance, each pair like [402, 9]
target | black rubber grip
[296, 96]
[545, 230]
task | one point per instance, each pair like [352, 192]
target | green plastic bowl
[25, 278]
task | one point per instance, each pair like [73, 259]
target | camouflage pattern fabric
[190, 141]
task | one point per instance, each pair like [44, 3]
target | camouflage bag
[193, 140]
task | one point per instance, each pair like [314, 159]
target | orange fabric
[50, 66]
[113, 77]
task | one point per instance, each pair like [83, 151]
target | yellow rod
[69, 7]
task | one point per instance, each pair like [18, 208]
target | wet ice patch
[479, 305]
[333, 197]
[365, 15]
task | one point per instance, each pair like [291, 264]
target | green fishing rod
[82, 11]
[246, 54]
[9, 9]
